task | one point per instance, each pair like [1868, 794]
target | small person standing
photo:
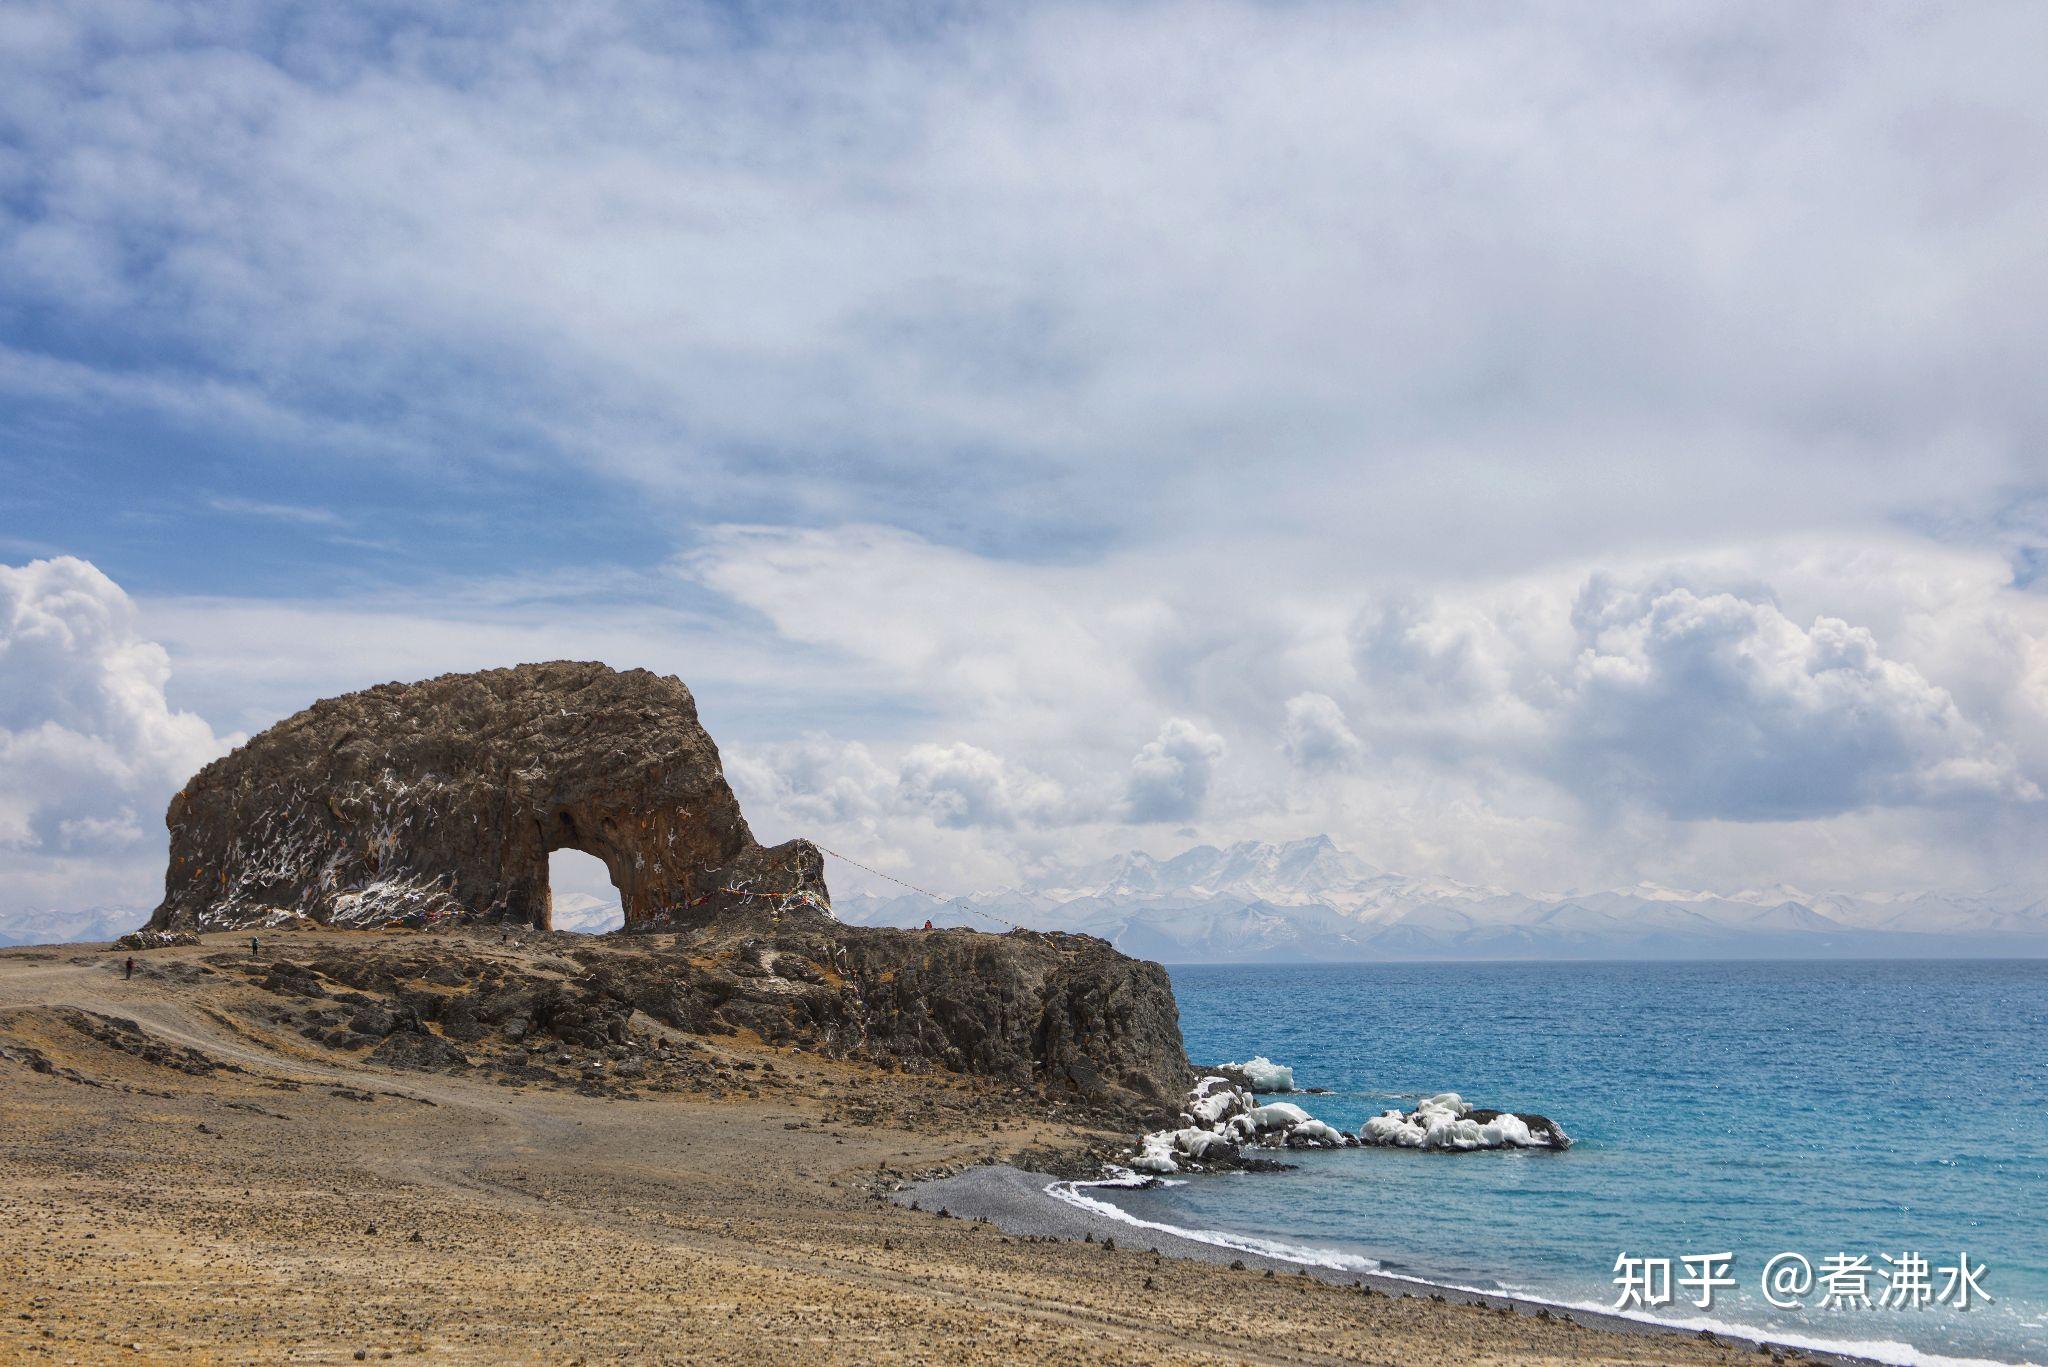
[254, 949]
[130, 969]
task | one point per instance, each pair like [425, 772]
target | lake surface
[1750, 1108]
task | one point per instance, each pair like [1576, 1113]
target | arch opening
[581, 894]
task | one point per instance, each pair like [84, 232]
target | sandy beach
[181, 1182]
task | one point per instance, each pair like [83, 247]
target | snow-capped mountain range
[69, 927]
[1309, 900]
[578, 911]
[587, 915]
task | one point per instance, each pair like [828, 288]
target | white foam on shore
[1070, 1194]
[1879, 1350]
[1885, 1350]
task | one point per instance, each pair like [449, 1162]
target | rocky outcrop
[1448, 1123]
[1220, 1119]
[1065, 1011]
[1059, 1016]
[156, 939]
[435, 805]
[440, 801]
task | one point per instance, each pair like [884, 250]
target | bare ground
[179, 1182]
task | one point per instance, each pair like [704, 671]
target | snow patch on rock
[1264, 1075]
[1220, 1119]
[1448, 1122]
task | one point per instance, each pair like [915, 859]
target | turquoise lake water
[1753, 1108]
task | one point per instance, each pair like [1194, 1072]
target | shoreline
[1019, 1202]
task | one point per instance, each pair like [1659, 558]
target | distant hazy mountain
[69, 927]
[573, 911]
[1309, 901]
[579, 911]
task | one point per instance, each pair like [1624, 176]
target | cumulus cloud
[1316, 734]
[811, 782]
[1538, 729]
[822, 782]
[90, 748]
[963, 785]
[1711, 704]
[1856, 714]
[1694, 693]
[1170, 776]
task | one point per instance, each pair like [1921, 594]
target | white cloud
[1547, 730]
[1294, 368]
[1693, 691]
[1049, 273]
[90, 749]
[277, 512]
[821, 782]
[1850, 714]
[811, 782]
[1707, 704]
[1316, 735]
[1170, 776]
[963, 785]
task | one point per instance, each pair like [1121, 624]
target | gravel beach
[181, 1180]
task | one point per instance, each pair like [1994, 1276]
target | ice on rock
[1155, 1153]
[1315, 1134]
[1162, 1150]
[1265, 1075]
[1279, 1115]
[1447, 1121]
[1219, 1117]
[1203, 1144]
[1214, 1100]
[1508, 1131]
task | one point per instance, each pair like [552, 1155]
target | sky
[1547, 445]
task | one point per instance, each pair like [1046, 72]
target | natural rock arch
[441, 801]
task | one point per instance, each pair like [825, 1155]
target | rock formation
[1448, 1123]
[1060, 1015]
[435, 805]
[438, 801]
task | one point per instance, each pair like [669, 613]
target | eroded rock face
[1066, 1011]
[1059, 1016]
[440, 801]
[436, 804]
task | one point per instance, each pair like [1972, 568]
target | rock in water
[438, 801]
[1448, 1123]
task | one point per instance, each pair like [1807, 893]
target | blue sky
[1549, 446]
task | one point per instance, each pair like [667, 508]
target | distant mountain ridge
[587, 915]
[1311, 901]
[70, 927]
